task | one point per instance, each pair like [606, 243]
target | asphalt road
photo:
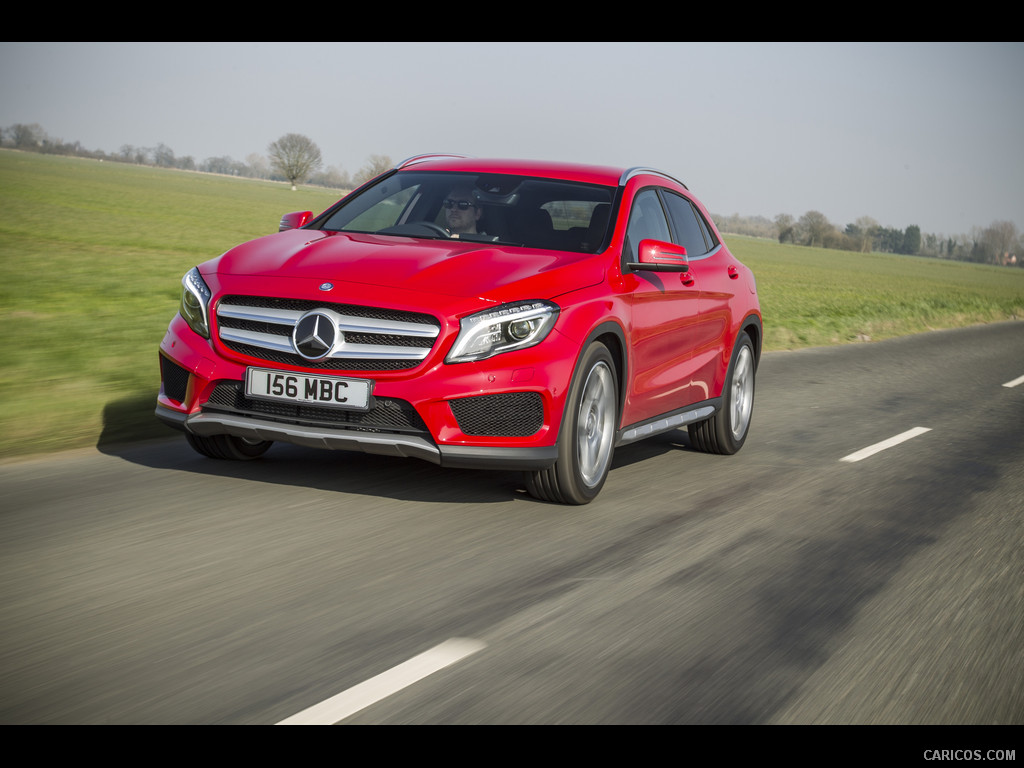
[783, 585]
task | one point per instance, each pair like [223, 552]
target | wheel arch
[612, 335]
[752, 326]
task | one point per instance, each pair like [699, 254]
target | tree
[332, 177]
[888, 240]
[911, 240]
[784, 224]
[865, 228]
[998, 241]
[294, 156]
[375, 166]
[29, 136]
[259, 165]
[814, 227]
[225, 165]
[163, 156]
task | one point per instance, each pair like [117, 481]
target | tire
[228, 447]
[586, 441]
[726, 431]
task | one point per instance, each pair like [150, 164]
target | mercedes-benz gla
[493, 314]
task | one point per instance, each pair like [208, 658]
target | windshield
[526, 211]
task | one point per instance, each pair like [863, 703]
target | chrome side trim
[666, 424]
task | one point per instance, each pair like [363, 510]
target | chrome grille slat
[257, 339]
[361, 325]
[255, 327]
[348, 324]
[260, 314]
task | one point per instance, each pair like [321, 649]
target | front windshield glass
[516, 210]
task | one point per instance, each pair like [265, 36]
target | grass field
[91, 257]
[819, 297]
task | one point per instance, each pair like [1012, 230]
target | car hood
[445, 267]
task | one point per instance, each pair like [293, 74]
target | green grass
[819, 297]
[91, 257]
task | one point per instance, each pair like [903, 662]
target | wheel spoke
[742, 395]
[595, 424]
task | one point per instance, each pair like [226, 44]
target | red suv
[494, 314]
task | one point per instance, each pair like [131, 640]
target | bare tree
[999, 241]
[865, 233]
[375, 166]
[332, 177]
[294, 156]
[163, 156]
[259, 165]
[27, 136]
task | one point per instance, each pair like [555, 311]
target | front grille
[175, 379]
[515, 414]
[375, 339]
[385, 414]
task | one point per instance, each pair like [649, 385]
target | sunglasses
[462, 205]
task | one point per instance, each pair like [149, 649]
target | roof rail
[631, 172]
[423, 158]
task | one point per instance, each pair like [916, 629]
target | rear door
[713, 269]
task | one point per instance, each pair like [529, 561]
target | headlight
[502, 329]
[195, 298]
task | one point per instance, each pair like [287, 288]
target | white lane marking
[359, 697]
[871, 450]
[1015, 382]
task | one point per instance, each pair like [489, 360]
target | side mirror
[659, 256]
[295, 220]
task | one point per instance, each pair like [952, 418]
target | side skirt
[682, 417]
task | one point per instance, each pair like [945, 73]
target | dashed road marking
[1015, 382]
[359, 697]
[871, 450]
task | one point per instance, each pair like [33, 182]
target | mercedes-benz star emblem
[315, 335]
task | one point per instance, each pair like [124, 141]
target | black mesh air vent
[515, 414]
[175, 379]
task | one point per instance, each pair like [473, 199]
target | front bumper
[501, 413]
[457, 456]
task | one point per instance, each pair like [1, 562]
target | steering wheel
[437, 229]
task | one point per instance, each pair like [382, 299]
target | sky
[926, 134]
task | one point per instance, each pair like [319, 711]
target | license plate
[299, 388]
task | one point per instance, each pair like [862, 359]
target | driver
[462, 211]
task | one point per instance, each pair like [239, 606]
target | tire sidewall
[724, 423]
[568, 465]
